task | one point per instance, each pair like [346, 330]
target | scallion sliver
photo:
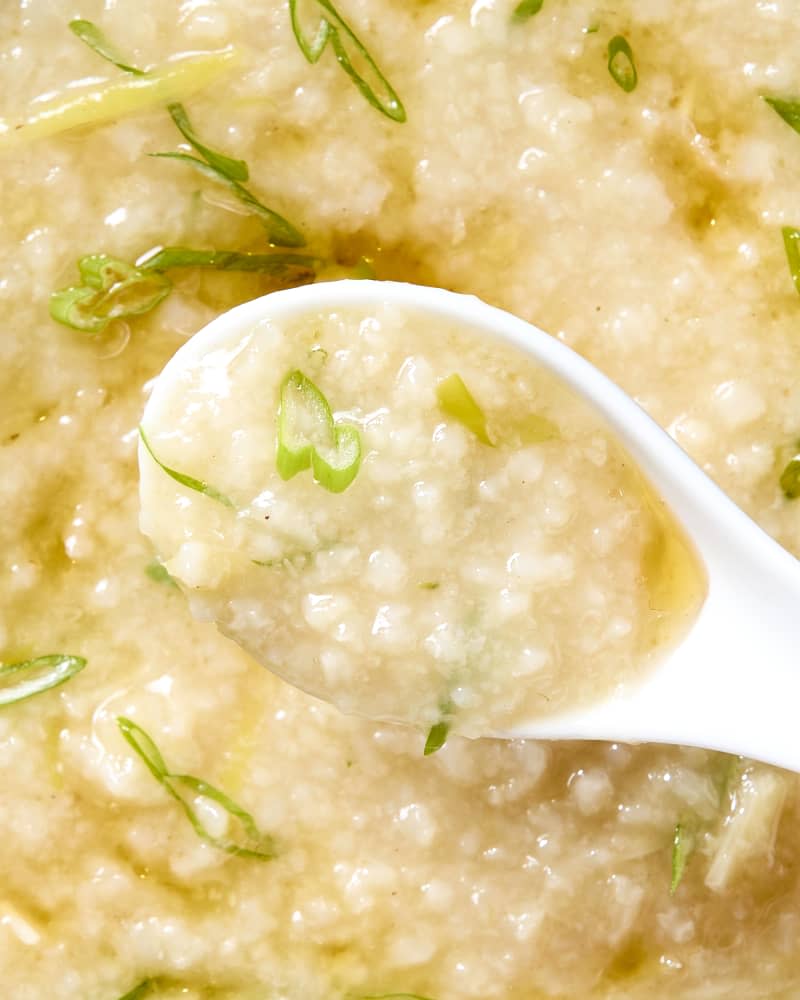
[791, 244]
[683, 841]
[331, 26]
[790, 479]
[19, 681]
[311, 43]
[167, 258]
[394, 996]
[110, 289]
[236, 170]
[279, 230]
[621, 64]
[309, 438]
[526, 9]
[436, 738]
[257, 845]
[92, 36]
[788, 109]
[190, 482]
[145, 988]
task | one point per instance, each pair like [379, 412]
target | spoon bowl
[733, 682]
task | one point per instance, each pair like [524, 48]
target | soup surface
[466, 547]
[263, 844]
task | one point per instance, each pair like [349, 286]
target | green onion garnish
[331, 26]
[682, 846]
[437, 734]
[159, 573]
[621, 65]
[311, 47]
[308, 437]
[92, 36]
[110, 289]
[295, 267]
[791, 243]
[393, 996]
[279, 230]
[142, 990]
[790, 479]
[113, 289]
[185, 787]
[437, 737]
[526, 9]
[235, 170]
[458, 402]
[19, 681]
[788, 110]
[198, 485]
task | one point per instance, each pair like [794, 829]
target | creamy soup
[465, 546]
[177, 821]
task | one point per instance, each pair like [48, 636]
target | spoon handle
[733, 684]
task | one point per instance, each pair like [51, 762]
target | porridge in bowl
[179, 822]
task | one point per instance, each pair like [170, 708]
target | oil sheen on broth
[481, 553]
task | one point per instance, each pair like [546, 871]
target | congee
[432, 528]
[176, 820]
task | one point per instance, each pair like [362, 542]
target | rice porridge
[481, 553]
[176, 820]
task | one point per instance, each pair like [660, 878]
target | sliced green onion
[789, 110]
[394, 996]
[198, 485]
[256, 844]
[682, 847]
[790, 479]
[389, 103]
[235, 170]
[297, 266]
[429, 585]
[791, 243]
[72, 307]
[110, 100]
[304, 417]
[142, 990]
[92, 36]
[363, 269]
[312, 43]
[457, 401]
[526, 9]
[19, 681]
[369, 80]
[184, 787]
[113, 289]
[159, 573]
[437, 737]
[144, 746]
[335, 467]
[110, 289]
[279, 230]
[308, 437]
[621, 64]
